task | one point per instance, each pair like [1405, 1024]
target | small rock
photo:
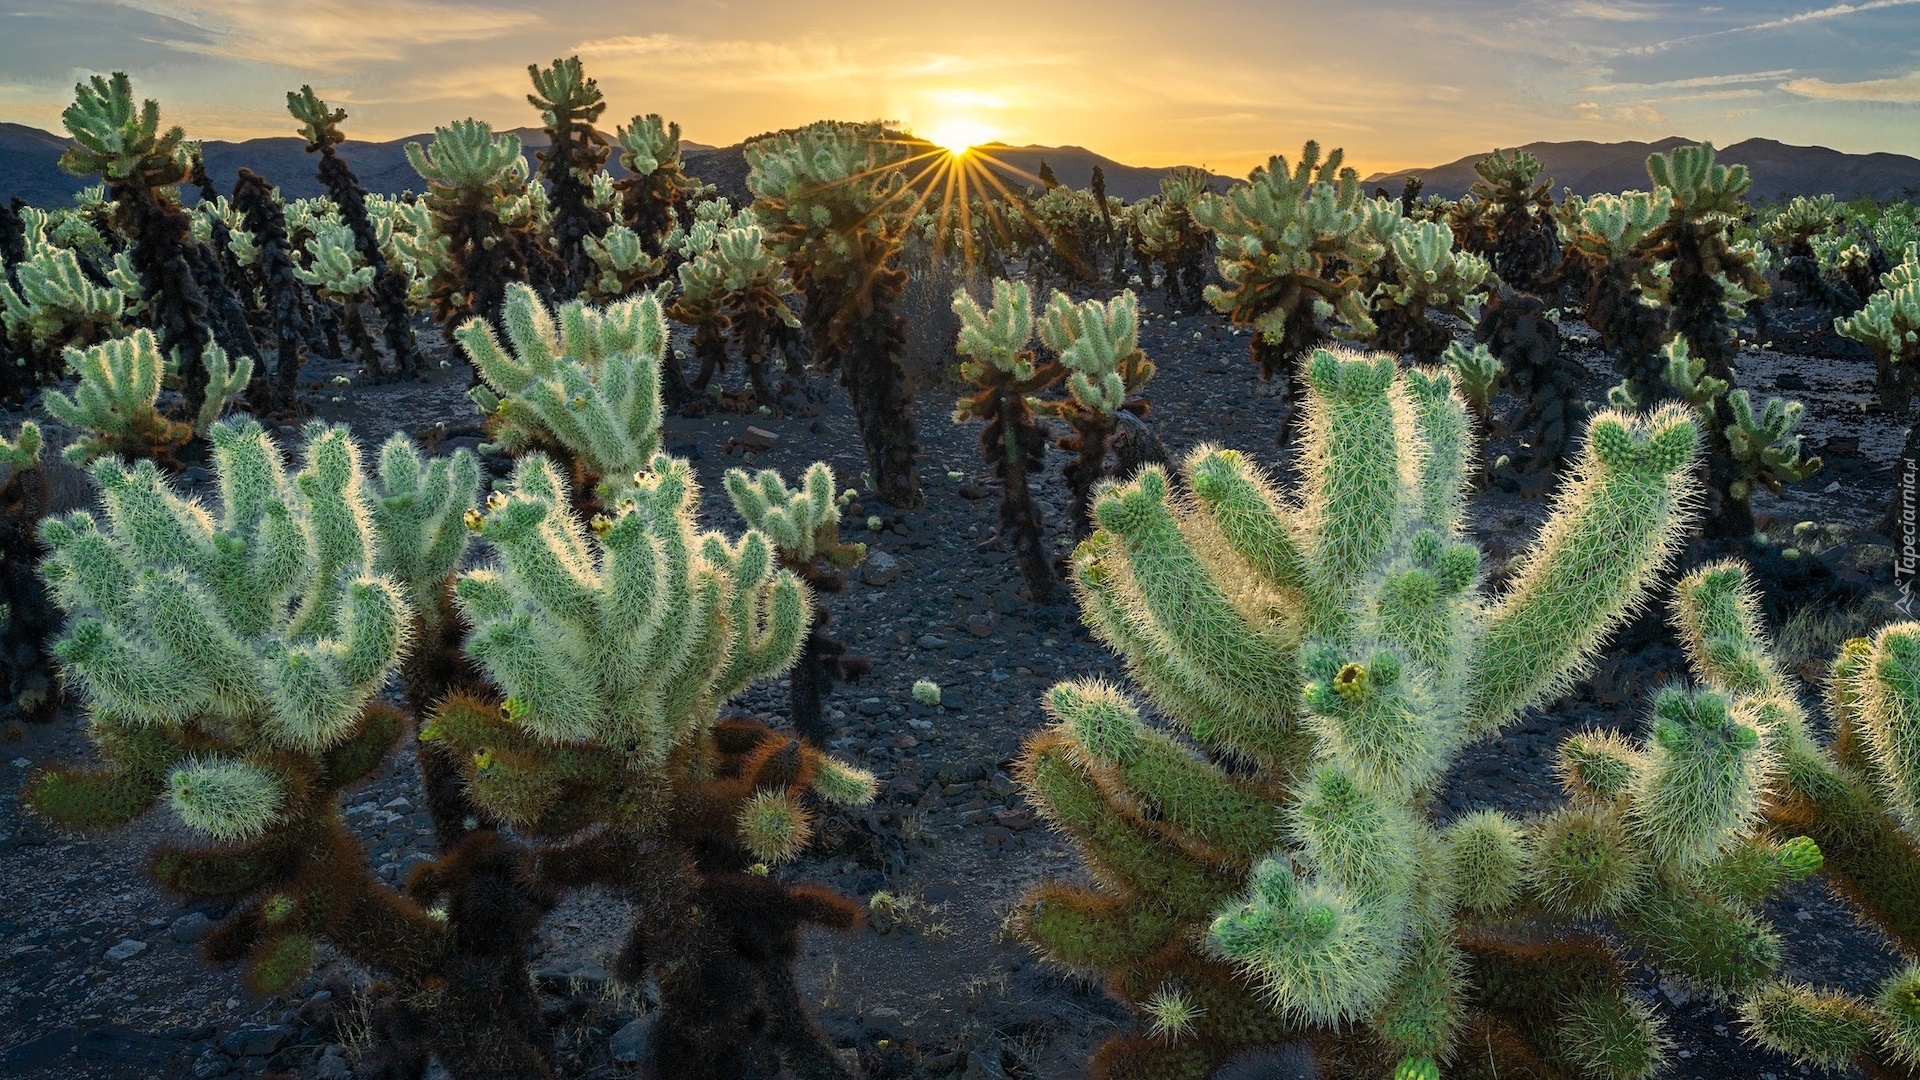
[880, 568]
[126, 950]
[332, 1068]
[191, 927]
[211, 1064]
[984, 1065]
[932, 641]
[258, 1040]
[634, 1041]
[980, 627]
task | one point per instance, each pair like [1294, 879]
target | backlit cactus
[470, 173]
[1172, 237]
[1856, 798]
[835, 206]
[1097, 346]
[1336, 643]
[1606, 242]
[1519, 232]
[657, 190]
[114, 402]
[583, 381]
[1758, 447]
[569, 102]
[1889, 325]
[1274, 237]
[56, 304]
[1428, 276]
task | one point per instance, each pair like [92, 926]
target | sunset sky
[1396, 82]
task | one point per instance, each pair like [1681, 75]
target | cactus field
[905, 619]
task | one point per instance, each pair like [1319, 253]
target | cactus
[320, 126]
[1759, 447]
[141, 166]
[1476, 374]
[1097, 346]
[731, 283]
[1856, 798]
[1069, 233]
[803, 525]
[114, 403]
[265, 219]
[1794, 225]
[1336, 644]
[1518, 233]
[56, 304]
[835, 206]
[470, 172]
[335, 271]
[658, 190]
[1172, 237]
[1525, 337]
[1428, 275]
[1623, 301]
[998, 361]
[30, 489]
[569, 103]
[1889, 325]
[614, 643]
[581, 381]
[1288, 242]
[231, 663]
[621, 265]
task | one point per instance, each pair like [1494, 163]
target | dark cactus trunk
[286, 297]
[1515, 328]
[1015, 447]
[161, 251]
[1629, 329]
[882, 391]
[1092, 431]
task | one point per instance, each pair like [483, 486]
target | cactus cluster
[1172, 236]
[472, 177]
[1889, 325]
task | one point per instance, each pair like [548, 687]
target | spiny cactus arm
[1886, 693]
[468, 155]
[1098, 343]
[419, 517]
[117, 142]
[1717, 613]
[1440, 419]
[1196, 804]
[91, 799]
[225, 380]
[997, 335]
[1611, 530]
[769, 616]
[1358, 466]
[1371, 722]
[1753, 869]
[1211, 640]
[1319, 953]
[57, 302]
[1701, 938]
[114, 402]
[333, 486]
[1700, 185]
[319, 125]
[1253, 517]
[1764, 445]
[1700, 784]
[22, 452]
[1828, 1029]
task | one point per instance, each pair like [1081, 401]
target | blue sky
[1395, 82]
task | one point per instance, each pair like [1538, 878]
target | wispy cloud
[1688, 83]
[1901, 88]
[328, 34]
[1833, 11]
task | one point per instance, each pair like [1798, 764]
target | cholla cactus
[654, 195]
[1428, 275]
[57, 304]
[1794, 225]
[22, 452]
[1171, 235]
[1856, 798]
[998, 361]
[834, 203]
[114, 403]
[731, 283]
[621, 264]
[1607, 239]
[804, 527]
[1476, 374]
[584, 381]
[1337, 645]
[469, 172]
[615, 642]
[1889, 325]
[1760, 447]
[1098, 350]
[229, 661]
[1276, 238]
[569, 103]
[141, 164]
[335, 269]
[1518, 233]
[1069, 232]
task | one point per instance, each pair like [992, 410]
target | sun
[959, 136]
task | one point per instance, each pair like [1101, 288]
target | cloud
[1900, 88]
[1833, 11]
[1687, 84]
[325, 35]
[1614, 12]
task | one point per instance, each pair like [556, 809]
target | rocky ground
[98, 974]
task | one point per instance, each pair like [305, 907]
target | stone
[211, 1064]
[880, 568]
[332, 1068]
[258, 1040]
[634, 1041]
[127, 949]
[191, 927]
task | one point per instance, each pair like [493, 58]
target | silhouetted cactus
[321, 128]
[1521, 334]
[286, 301]
[1606, 242]
[30, 490]
[1520, 238]
[835, 206]
[658, 191]
[995, 342]
[1171, 235]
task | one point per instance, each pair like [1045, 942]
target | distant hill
[29, 165]
[1779, 171]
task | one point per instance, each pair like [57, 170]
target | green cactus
[582, 381]
[835, 205]
[56, 304]
[1756, 448]
[471, 175]
[1290, 243]
[1607, 241]
[335, 269]
[22, 452]
[1428, 275]
[1476, 374]
[1855, 798]
[1171, 235]
[1336, 644]
[657, 189]
[114, 403]
[732, 284]
[1097, 347]
[1889, 326]
[621, 264]
[1794, 226]
[1517, 234]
